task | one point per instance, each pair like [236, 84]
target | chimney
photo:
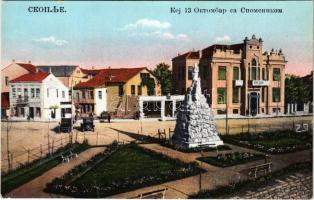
[37, 70]
[29, 62]
[13, 60]
[200, 53]
[49, 70]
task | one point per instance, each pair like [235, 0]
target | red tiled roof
[189, 55]
[5, 100]
[113, 75]
[91, 71]
[29, 67]
[31, 77]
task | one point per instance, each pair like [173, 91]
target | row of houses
[47, 92]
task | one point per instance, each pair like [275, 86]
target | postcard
[157, 99]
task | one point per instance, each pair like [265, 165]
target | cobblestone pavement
[293, 186]
[35, 187]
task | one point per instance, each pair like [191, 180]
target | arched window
[254, 69]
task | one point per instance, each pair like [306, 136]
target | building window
[221, 111]
[254, 70]
[92, 94]
[38, 113]
[32, 92]
[57, 92]
[47, 92]
[37, 92]
[99, 95]
[18, 91]
[235, 111]
[235, 95]
[254, 74]
[132, 90]
[63, 94]
[221, 73]
[276, 74]
[236, 73]
[25, 92]
[190, 72]
[221, 95]
[14, 92]
[263, 94]
[263, 74]
[78, 96]
[120, 90]
[276, 94]
[144, 75]
[139, 90]
[6, 81]
[83, 95]
[275, 110]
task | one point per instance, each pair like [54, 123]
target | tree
[297, 90]
[149, 83]
[164, 76]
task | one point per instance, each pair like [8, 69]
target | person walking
[109, 118]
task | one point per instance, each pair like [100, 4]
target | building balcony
[259, 83]
[238, 83]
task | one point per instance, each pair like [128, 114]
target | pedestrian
[109, 118]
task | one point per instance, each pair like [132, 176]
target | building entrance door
[31, 112]
[253, 103]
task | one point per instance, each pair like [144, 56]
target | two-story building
[238, 78]
[9, 73]
[119, 89]
[37, 96]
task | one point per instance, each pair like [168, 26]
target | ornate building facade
[237, 79]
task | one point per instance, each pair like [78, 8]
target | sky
[143, 34]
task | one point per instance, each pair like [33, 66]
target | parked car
[88, 124]
[103, 116]
[65, 125]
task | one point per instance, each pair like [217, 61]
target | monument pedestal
[195, 126]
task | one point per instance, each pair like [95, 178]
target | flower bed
[27, 172]
[121, 169]
[273, 143]
[197, 149]
[231, 159]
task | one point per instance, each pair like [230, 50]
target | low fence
[12, 160]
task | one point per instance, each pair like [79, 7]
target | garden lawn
[234, 159]
[32, 170]
[272, 142]
[126, 168]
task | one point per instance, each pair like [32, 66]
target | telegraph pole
[8, 151]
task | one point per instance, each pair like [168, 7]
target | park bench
[156, 194]
[266, 167]
[67, 157]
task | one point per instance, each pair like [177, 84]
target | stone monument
[195, 126]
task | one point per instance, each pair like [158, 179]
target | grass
[128, 168]
[36, 168]
[235, 159]
[274, 143]
[225, 192]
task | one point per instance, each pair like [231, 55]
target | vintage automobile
[103, 116]
[65, 125]
[88, 124]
